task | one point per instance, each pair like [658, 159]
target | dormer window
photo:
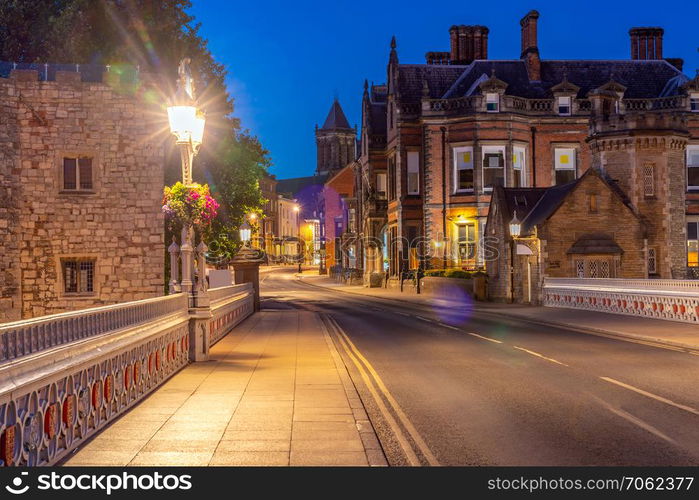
[694, 102]
[492, 102]
[564, 105]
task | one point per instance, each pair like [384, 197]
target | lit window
[78, 275]
[381, 186]
[493, 167]
[492, 103]
[77, 174]
[466, 234]
[694, 103]
[693, 167]
[565, 165]
[413, 172]
[564, 106]
[693, 244]
[463, 169]
[593, 203]
[519, 170]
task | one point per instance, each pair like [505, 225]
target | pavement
[661, 332]
[275, 392]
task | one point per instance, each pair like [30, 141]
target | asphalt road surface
[461, 387]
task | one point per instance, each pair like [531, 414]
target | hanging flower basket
[189, 205]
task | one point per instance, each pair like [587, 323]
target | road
[445, 387]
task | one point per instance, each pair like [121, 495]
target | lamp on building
[515, 226]
[245, 233]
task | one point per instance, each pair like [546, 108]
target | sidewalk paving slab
[275, 392]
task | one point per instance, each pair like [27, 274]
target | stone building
[439, 137]
[81, 180]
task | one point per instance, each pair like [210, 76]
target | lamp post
[297, 210]
[245, 233]
[515, 231]
[246, 264]
[187, 125]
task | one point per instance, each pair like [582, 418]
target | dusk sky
[287, 61]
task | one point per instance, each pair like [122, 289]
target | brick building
[439, 137]
[81, 180]
[340, 215]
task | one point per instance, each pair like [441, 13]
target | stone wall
[118, 223]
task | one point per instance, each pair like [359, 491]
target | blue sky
[287, 60]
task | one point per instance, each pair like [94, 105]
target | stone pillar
[201, 295]
[174, 285]
[246, 268]
[200, 319]
[187, 261]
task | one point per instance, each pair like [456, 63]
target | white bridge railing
[64, 377]
[674, 300]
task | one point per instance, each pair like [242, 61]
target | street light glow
[187, 124]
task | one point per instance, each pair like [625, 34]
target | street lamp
[515, 231]
[245, 233]
[187, 125]
[297, 211]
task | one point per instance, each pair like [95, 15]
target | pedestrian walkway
[275, 392]
[668, 333]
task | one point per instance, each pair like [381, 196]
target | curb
[599, 332]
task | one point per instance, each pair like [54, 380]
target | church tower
[335, 141]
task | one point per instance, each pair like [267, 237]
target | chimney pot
[646, 43]
[468, 43]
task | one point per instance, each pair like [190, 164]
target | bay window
[463, 169]
[493, 167]
[564, 165]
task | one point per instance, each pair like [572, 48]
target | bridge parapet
[64, 377]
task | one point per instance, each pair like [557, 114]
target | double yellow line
[384, 399]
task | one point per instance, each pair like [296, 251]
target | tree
[153, 35]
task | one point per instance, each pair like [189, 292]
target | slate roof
[293, 186]
[336, 118]
[595, 243]
[643, 78]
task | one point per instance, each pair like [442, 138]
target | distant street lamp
[515, 231]
[515, 226]
[187, 125]
[245, 233]
[297, 210]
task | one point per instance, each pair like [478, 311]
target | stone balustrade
[674, 300]
[65, 377]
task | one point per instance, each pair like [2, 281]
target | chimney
[530, 46]
[646, 43]
[468, 43]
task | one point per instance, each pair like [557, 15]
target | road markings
[540, 356]
[636, 421]
[356, 356]
[651, 395]
[484, 338]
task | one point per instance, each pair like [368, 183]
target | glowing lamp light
[245, 232]
[186, 123]
[515, 226]
[296, 208]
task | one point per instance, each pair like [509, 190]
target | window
[463, 169]
[78, 275]
[413, 172]
[519, 171]
[564, 105]
[392, 178]
[580, 268]
[693, 243]
[492, 103]
[77, 174]
[466, 234]
[648, 180]
[493, 167]
[381, 186]
[693, 167]
[593, 203]
[694, 102]
[564, 165]
[652, 261]
[351, 220]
